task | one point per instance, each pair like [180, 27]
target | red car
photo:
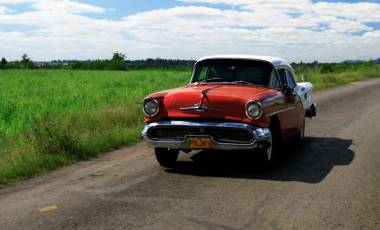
[232, 103]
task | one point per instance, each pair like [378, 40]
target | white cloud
[295, 30]
[373, 35]
[198, 31]
[338, 9]
[350, 26]
[2, 9]
[68, 6]
[362, 11]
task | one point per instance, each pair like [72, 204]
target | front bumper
[261, 135]
[311, 111]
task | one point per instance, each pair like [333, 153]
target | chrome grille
[220, 134]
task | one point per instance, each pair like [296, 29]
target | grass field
[51, 118]
[339, 75]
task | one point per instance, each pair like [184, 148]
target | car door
[299, 112]
[289, 114]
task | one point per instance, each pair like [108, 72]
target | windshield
[235, 71]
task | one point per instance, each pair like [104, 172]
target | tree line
[326, 68]
[119, 62]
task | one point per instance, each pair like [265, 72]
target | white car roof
[275, 61]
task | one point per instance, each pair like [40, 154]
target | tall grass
[338, 74]
[51, 118]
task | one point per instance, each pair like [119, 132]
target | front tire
[166, 157]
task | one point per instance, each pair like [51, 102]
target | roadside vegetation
[51, 118]
[327, 75]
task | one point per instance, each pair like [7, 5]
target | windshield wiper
[212, 79]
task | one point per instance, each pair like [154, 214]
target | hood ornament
[200, 107]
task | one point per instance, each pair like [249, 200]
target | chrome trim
[246, 109]
[260, 135]
[280, 111]
[201, 108]
[158, 107]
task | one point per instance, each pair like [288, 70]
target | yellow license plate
[199, 143]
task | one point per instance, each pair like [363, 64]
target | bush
[53, 135]
[326, 68]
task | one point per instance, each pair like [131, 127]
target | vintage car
[231, 103]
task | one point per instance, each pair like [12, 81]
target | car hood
[223, 101]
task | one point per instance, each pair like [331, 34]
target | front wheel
[166, 157]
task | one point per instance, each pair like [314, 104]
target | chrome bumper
[261, 135]
[311, 111]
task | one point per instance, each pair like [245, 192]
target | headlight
[151, 107]
[254, 110]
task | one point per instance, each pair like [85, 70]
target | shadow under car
[310, 162]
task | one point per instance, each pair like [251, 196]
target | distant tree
[98, 65]
[25, 62]
[118, 57]
[3, 63]
[76, 65]
[25, 58]
[117, 62]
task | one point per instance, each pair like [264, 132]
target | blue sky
[89, 29]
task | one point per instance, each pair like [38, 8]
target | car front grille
[220, 134]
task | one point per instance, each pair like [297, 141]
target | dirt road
[332, 181]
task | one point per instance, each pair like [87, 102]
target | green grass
[51, 118]
[340, 76]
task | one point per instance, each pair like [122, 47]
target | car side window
[206, 73]
[202, 74]
[290, 79]
[274, 81]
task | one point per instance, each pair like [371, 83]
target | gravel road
[331, 181]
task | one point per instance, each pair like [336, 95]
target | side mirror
[286, 89]
[289, 94]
